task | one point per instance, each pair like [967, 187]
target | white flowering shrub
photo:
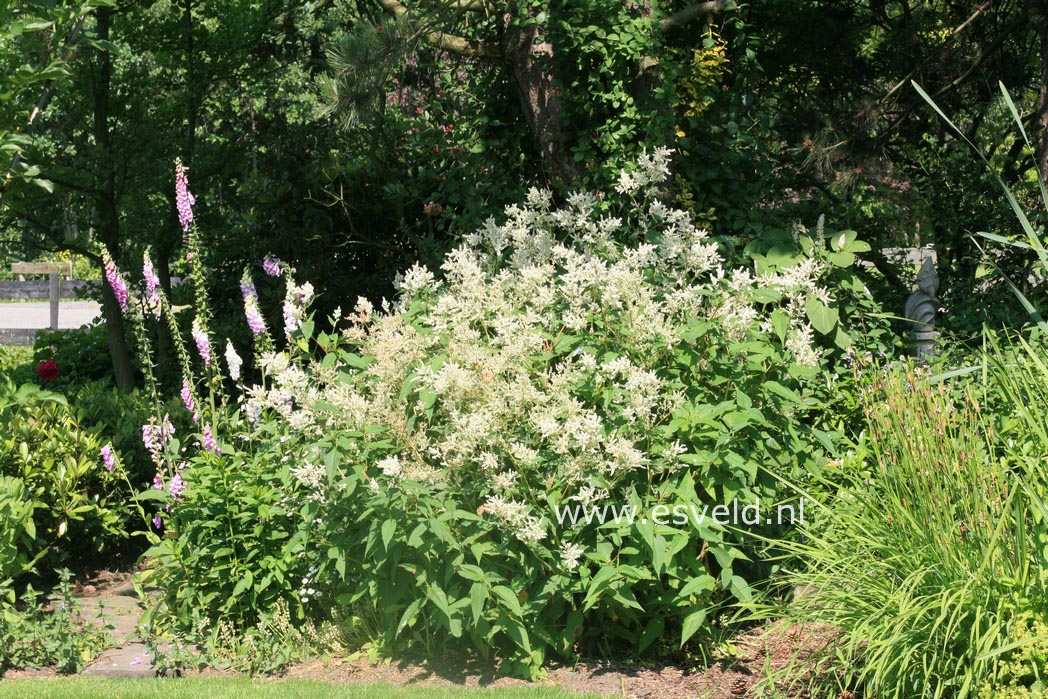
[446, 453]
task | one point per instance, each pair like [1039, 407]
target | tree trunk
[529, 57]
[105, 203]
[1037, 10]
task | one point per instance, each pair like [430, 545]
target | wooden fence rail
[54, 289]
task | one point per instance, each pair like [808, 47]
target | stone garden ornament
[921, 308]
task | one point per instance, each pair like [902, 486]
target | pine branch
[696, 11]
[448, 42]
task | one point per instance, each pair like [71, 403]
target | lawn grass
[196, 688]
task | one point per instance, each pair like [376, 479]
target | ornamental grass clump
[931, 558]
[448, 465]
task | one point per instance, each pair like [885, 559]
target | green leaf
[822, 317]
[841, 259]
[244, 583]
[440, 600]
[600, 583]
[407, 619]
[478, 594]
[417, 536]
[470, 572]
[843, 339]
[741, 589]
[696, 586]
[780, 322]
[516, 631]
[652, 632]
[694, 621]
[509, 599]
[389, 527]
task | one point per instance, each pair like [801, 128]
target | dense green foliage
[51, 457]
[482, 465]
[353, 139]
[661, 335]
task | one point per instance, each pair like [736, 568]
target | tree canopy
[354, 137]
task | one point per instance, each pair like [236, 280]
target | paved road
[31, 314]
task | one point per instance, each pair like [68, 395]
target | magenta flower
[209, 442]
[152, 280]
[158, 482]
[254, 317]
[157, 522]
[251, 310]
[108, 458]
[154, 437]
[183, 199]
[247, 287]
[202, 342]
[176, 487]
[271, 265]
[187, 399]
[116, 282]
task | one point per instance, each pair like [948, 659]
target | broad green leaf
[694, 621]
[509, 599]
[822, 317]
[478, 594]
[389, 527]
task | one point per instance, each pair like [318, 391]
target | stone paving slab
[132, 661]
[120, 609]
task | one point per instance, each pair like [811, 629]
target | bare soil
[762, 653]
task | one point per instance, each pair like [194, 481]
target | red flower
[47, 371]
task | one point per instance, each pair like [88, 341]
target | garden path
[115, 597]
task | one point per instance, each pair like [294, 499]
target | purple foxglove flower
[271, 265]
[251, 310]
[116, 282]
[247, 288]
[176, 487]
[254, 317]
[202, 342]
[291, 319]
[149, 440]
[183, 199]
[157, 522]
[154, 437]
[209, 442]
[158, 482]
[152, 280]
[108, 458]
[187, 399]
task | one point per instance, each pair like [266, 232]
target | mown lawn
[173, 688]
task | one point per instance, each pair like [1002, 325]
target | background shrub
[82, 354]
[17, 531]
[80, 507]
